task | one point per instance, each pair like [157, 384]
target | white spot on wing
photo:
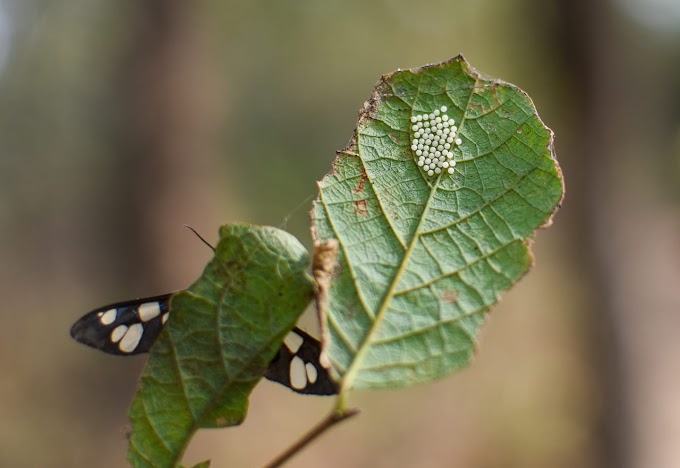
[293, 341]
[298, 374]
[108, 317]
[118, 333]
[131, 338]
[311, 372]
[148, 311]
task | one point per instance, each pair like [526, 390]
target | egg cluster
[434, 136]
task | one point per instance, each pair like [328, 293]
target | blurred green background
[120, 121]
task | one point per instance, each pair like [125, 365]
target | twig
[331, 420]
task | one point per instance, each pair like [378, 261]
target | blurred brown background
[120, 121]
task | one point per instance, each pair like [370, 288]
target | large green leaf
[222, 334]
[422, 259]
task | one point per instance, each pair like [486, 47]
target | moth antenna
[200, 237]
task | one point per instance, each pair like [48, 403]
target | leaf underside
[422, 259]
[222, 334]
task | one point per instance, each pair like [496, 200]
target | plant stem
[329, 421]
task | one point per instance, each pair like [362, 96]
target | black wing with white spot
[124, 328]
[132, 327]
[296, 365]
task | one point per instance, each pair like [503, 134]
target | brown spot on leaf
[450, 296]
[362, 182]
[492, 89]
[220, 421]
[361, 207]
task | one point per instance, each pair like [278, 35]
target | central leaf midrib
[366, 341]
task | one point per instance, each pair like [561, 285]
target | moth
[132, 327]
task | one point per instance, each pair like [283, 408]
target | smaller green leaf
[222, 333]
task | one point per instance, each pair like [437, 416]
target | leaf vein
[454, 272]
